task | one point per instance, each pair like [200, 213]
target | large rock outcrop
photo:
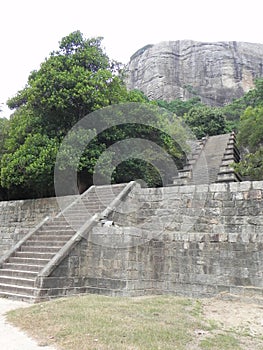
[218, 72]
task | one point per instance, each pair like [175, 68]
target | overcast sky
[30, 30]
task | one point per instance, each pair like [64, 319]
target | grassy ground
[147, 323]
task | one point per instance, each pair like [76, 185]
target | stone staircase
[20, 267]
[211, 162]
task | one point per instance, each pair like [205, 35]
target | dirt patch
[235, 315]
[241, 320]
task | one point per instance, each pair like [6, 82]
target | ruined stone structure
[218, 72]
[194, 240]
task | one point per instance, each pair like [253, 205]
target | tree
[74, 81]
[4, 125]
[250, 140]
[30, 167]
[139, 122]
[254, 97]
[178, 106]
[204, 120]
[250, 134]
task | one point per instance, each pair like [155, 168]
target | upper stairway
[21, 266]
[211, 161]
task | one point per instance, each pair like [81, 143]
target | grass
[98, 323]
[220, 341]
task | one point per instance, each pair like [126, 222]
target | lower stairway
[44, 245]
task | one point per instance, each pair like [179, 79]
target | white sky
[30, 30]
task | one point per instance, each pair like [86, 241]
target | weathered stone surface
[18, 217]
[218, 72]
[203, 240]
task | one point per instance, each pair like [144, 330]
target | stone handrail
[114, 204]
[83, 232]
[63, 252]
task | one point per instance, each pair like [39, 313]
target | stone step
[52, 232]
[57, 238]
[36, 255]
[22, 267]
[57, 220]
[18, 273]
[30, 261]
[96, 208]
[56, 228]
[16, 296]
[40, 249]
[76, 212]
[79, 221]
[47, 244]
[98, 195]
[69, 218]
[16, 289]
[17, 281]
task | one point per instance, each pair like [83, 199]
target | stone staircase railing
[25, 267]
[231, 156]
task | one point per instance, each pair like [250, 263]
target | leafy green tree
[30, 167]
[250, 134]
[250, 139]
[4, 126]
[204, 120]
[254, 97]
[135, 167]
[74, 81]
[178, 106]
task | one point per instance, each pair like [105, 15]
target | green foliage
[204, 120]
[31, 166]
[74, 81]
[251, 128]
[251, 167]
[254, 97]
[80, 158]
[4, 126]
[250, 138]
[178, 106]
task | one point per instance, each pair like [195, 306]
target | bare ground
[241, 318]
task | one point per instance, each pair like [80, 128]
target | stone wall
[18, 217]
[189, 240]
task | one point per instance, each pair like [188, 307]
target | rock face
[218, 72]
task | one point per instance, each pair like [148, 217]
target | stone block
[257, 185]
[218, 187]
